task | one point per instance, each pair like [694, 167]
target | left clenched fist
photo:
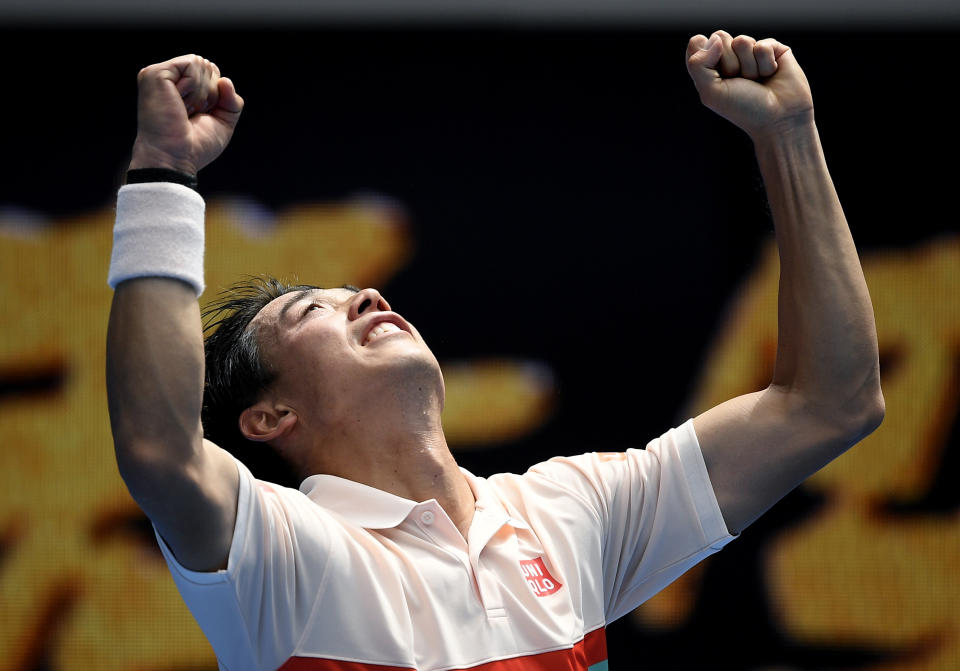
[186, 114]
[757, 85]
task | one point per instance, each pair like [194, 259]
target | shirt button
[426, 517]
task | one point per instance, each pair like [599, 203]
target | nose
[367, 300]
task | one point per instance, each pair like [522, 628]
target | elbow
[849, 417]
[864, 413]
[879, 410]
[871, 417]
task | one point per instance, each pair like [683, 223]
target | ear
[264, 421]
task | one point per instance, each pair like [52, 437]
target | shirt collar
[373, 508]
[359, 504]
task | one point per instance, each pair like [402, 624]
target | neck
[399, 448]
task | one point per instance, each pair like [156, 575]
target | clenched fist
[757, 85]
[186, 114]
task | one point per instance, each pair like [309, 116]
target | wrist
[790, 130]
[147, 175]
[789, 157]
[145, 156]
[159, 232]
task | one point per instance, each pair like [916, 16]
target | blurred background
[586, 248]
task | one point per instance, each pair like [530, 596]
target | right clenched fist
[186, 114]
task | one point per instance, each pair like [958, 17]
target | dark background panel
[572, 202]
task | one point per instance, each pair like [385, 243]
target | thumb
[229, 100]
[229, 104]
[702, 58]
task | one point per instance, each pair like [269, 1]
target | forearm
[827, 343]
[155, 372]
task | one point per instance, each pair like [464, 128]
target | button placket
[485, 525]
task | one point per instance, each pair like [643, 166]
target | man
[389, 556]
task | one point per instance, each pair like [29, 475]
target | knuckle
[148, 72]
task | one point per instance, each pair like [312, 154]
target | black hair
[236, 374]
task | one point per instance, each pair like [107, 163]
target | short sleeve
[252, 612]
[657, 509]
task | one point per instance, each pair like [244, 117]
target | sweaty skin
[369, 410]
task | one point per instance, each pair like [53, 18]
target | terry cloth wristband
[158, 233]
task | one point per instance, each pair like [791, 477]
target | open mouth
[379, 330]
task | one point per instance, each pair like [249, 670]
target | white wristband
[158, 233]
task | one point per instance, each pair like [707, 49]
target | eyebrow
[297, 297]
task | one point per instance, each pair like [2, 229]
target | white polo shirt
[343, 577]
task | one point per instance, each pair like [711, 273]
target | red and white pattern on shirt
[583, 655]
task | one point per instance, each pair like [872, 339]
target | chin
[417, 369]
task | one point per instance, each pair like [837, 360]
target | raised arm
[155, 366]
[825, 393]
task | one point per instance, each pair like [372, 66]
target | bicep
[192, 503]
[758, 447]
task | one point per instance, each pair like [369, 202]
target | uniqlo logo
[538, 577]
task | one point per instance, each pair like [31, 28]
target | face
[336, 350]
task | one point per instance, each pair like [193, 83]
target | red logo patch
[538, 577]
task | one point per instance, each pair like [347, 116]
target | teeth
[380, 329]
